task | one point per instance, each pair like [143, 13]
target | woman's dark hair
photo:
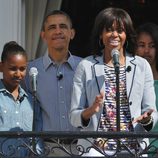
[105, 20]
[152, 30]
[12, 48]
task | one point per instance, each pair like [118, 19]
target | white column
[12, 22]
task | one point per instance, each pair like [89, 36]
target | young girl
[147, 47]
[16, 108]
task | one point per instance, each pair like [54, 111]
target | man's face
[57, 32]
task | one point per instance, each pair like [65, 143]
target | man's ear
[43, 35]
[72, 33]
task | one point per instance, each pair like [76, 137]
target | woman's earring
[112, 34]
[126, 45]
[101, 44]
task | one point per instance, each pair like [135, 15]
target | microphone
[21, 98]
[33, 74]
[128, 69]
[115, 56]
[59, 76]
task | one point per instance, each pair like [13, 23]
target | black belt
[61, 141]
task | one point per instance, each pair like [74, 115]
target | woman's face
[113, 37]
[14, 70]
[146, 47]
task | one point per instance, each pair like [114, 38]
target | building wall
[12, 23]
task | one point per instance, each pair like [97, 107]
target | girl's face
[14, 70]
[146, 47]
[113, 37]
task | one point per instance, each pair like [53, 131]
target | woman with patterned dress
[94, 104]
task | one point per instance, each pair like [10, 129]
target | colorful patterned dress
[108, 117]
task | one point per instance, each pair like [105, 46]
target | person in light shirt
[56, 69]
[93, 101]
[147, 47]
[16, 105]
